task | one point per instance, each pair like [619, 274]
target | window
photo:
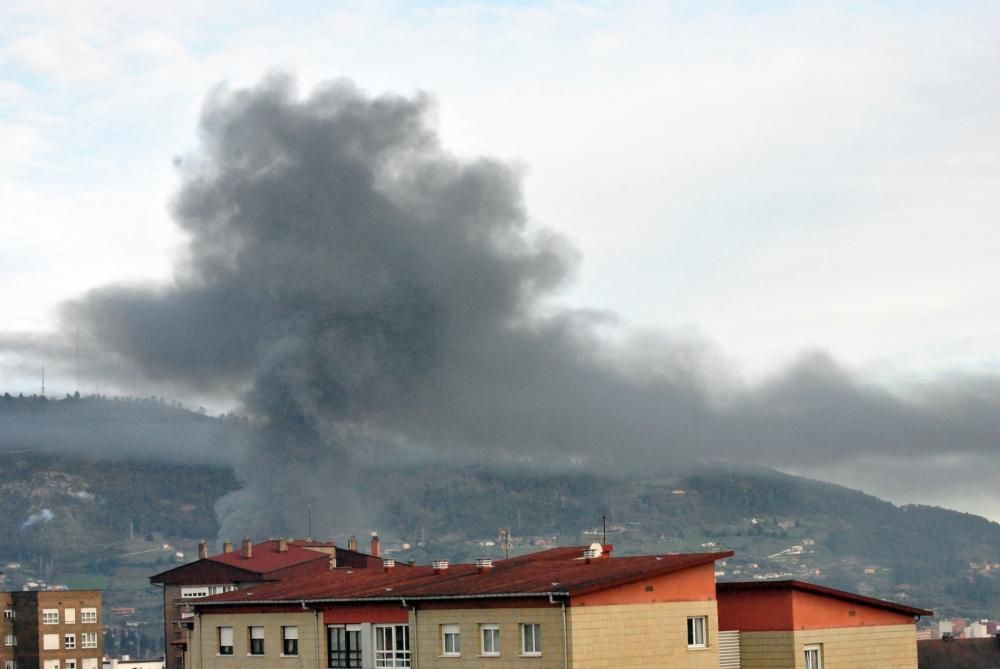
[290, 640]
[88, 615]
[69, 616]
[392, 645]
[69, 642]
[8, 614]
[9, 640]
[256, 640]
[50, 664]
[531, 639]
[9, 664]
[88, 640]
[89, 663]
[194, 593]
[344, 645]
[225, 641]
[451, 641]
[50, 616]
[70, 664]
[491, 639]
[814, 657]
[697, 627]
[50, 642]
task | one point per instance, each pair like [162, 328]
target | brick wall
[870, 647]
[204, 653]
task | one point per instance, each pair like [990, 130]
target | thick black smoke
[358, 284]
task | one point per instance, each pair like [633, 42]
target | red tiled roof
[804, 586]
[266, 557]
[508, 578]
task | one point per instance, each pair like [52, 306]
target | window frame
[85, 642]
[286, 649]
[69, 641]
[451, 633]
[697, 626]
[224, 649]
[9, 639]
[400, 654]
[50, 616]
[349, 653]
[255, 644]
[536, 639]
[816, 648]
[9, 614]
[483, 629]
[88, 615]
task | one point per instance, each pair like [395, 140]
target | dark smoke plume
[357, 284]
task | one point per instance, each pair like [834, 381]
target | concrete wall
[425, 638]
[641, 636]
[872, 647]
[204, 653]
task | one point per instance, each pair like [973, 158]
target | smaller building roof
[804, 586]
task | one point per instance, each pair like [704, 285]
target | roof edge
[805, 586]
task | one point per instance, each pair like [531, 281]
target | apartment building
[268, 561]
[558, 609]
[51, 630]
[793, 624]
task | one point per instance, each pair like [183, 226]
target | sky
[767, 180]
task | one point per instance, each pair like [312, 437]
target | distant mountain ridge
[779, 525]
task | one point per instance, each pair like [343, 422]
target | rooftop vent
[594, 551]
[439, 566]
[484, 564]
[247, 549]
[388, 563]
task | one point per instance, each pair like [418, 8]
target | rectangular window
[50, 642]
[491, 639]
[225, 641]
[290, 640]
[88, 615]
[8, 614]
[50, 616]
[344, 646]
[9, 664]
[451, 641]
[69, 642]
[814, 657]
[531, 639]
[69, 616]
[256, 640]
[194, 593]
[88, 640]
[70, 664]
[9, 640]
[697, 632]
[392, 645]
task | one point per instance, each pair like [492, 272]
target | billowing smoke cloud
[42, 517]
[357, 284]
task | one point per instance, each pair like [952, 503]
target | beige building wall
[875, 647]
[426, 639]
[204, 646]
[641, 636]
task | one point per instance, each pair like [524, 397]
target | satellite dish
[596, 549]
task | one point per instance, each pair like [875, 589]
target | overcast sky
[767, 178]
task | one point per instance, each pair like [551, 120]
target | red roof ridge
[805, 586]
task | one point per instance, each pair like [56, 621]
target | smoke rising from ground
[357, 284]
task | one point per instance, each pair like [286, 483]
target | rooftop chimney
[439, 566]
[227, 547]
[202, 550]
[376, 545]
[484, 565]
[352, 544]
[247, 549]
[388, 564]
[282, 545]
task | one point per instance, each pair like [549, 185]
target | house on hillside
[794, 624]
[266, 562]
[557, 609]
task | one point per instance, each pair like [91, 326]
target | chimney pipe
[227, 547]
[202, 550]
[282, 545]
[484, 565]
[247, 549]
[439, 566]
[388, 564]
[376, 545]
[352, 544]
